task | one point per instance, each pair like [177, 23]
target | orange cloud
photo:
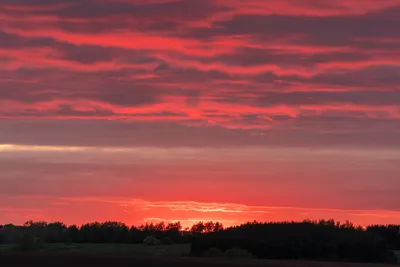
[136, 211]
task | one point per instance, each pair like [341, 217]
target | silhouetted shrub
[151, 241]
[310, 240]
[214, 253]
[391, 257]
[29, 242]
[185, 254]
[166, 241]
[238, 253]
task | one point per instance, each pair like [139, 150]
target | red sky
[191, 110]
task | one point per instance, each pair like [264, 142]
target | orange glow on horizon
[137, 212]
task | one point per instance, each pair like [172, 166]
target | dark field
[138, 255]
[175, 250]
[8, 259]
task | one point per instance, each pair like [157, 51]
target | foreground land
[326, 240]
[397, 253]
[67, 255]
[124, 249]
[68, 259]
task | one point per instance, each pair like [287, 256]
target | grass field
[397, 253]
[130, 249]
[68, 259]
[138, 255]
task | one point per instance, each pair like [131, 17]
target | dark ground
[13, 259]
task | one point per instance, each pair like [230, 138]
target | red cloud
[249, 65]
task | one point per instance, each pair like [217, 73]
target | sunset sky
[190, 110]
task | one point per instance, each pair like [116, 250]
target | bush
[151, 241]
[166, 241]
[29, 242]
[391, 257]
[185, 254]
[214, 253]
[238, 253]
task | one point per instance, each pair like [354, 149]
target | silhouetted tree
[173, 231]
[174, 226]
[114, 232]
[11, 233]
[55, 232]
[218, 227]
[310, 239]
[73, 234]
[198, 228]
[2, 241]
[208, 227]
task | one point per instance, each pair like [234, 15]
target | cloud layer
[180, 183]
[249, 65]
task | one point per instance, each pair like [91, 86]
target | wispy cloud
[245, 64]
[137, 211]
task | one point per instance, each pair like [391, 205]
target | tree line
[104, 232]
[317, 240]
[310, 240]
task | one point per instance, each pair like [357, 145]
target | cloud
[218, 66]
[317, 30]
[318, 131]
[91, 9]
[187, 212]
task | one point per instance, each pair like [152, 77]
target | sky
[197, 110]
